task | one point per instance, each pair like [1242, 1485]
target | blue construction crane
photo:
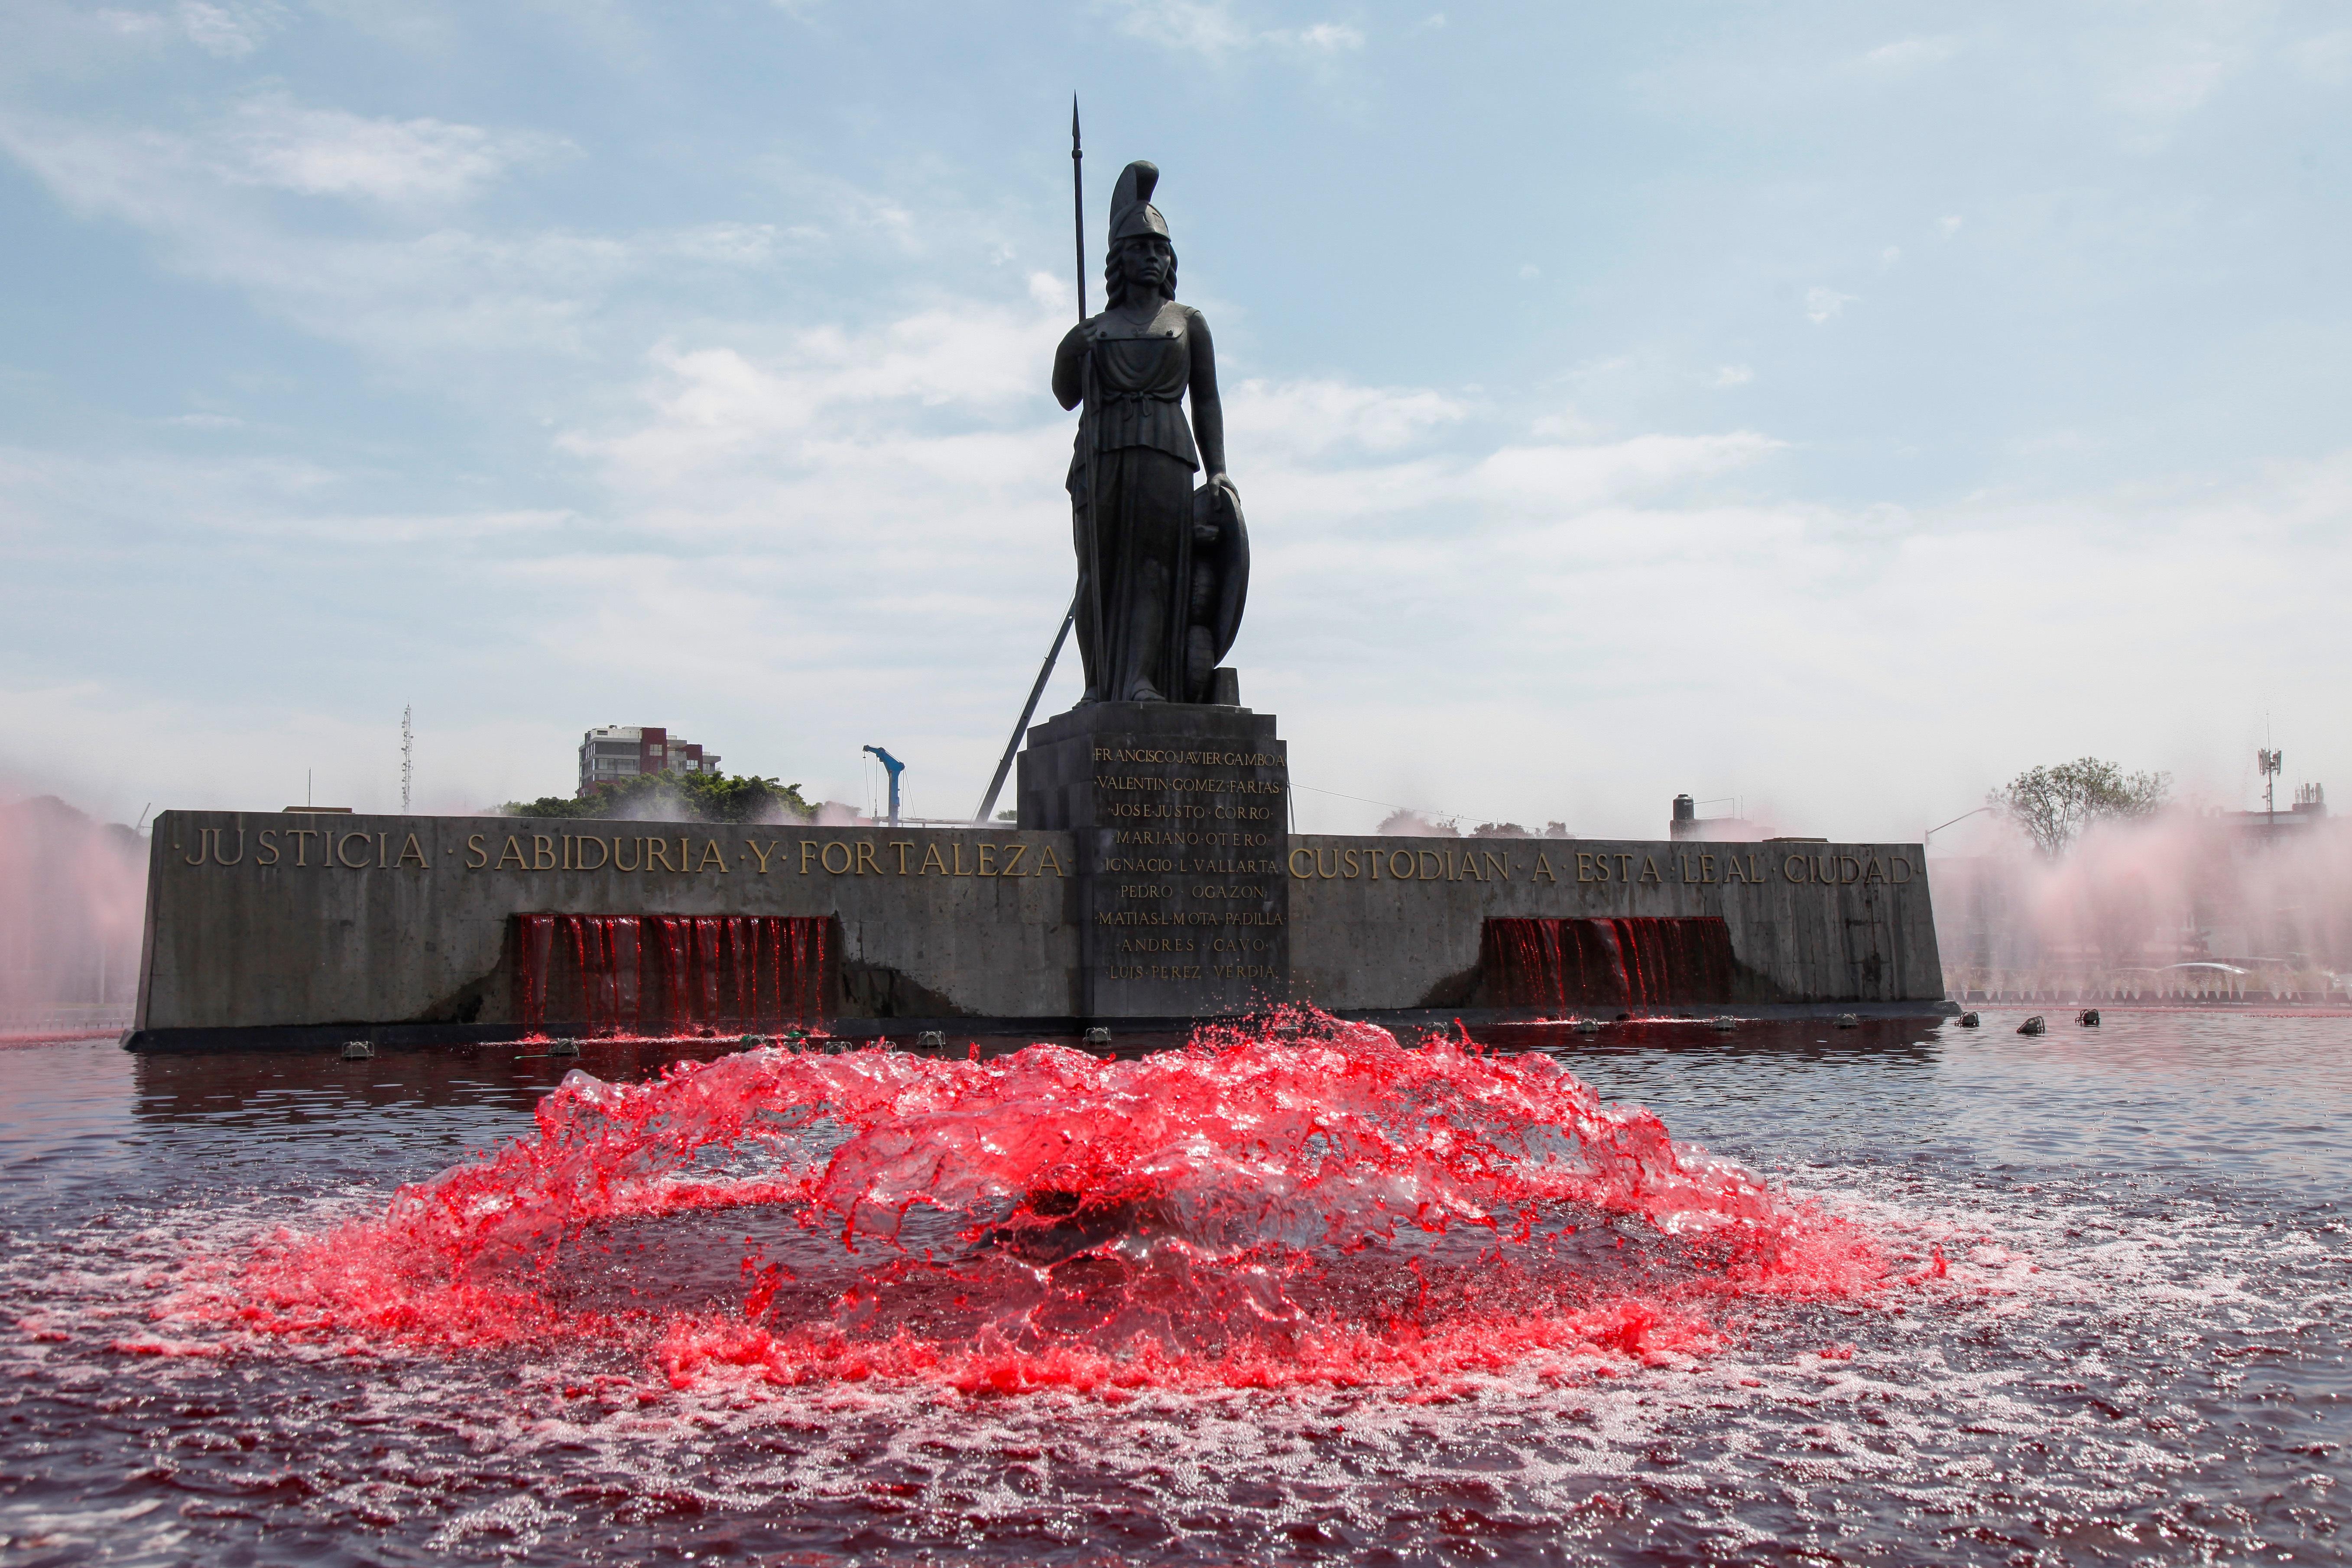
[896, 768]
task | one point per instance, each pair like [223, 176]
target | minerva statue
[1163, 568]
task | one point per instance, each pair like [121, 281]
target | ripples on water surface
[219, 1348]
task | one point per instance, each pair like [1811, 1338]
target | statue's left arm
[1208, 412]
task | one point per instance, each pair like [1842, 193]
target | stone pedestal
[1181, 814]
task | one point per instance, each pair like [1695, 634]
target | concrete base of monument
[1177, 895]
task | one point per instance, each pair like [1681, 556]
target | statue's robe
[1143, 588]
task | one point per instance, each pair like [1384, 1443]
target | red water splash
[1618, 961]
[1306, 1200]
[654, 974]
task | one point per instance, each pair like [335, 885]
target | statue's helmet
[1131, 212]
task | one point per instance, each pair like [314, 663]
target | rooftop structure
[1688, 827]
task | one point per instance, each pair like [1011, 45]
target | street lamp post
[1941, 825]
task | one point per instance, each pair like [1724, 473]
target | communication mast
[407, 756]
[2270, 762]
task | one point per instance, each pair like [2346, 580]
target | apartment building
[618, 752]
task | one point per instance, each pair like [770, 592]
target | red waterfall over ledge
[1629, 961]
[669, 974]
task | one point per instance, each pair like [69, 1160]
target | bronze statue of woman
[1162, 569]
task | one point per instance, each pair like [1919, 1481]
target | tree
[677, 798]
[2052, 805]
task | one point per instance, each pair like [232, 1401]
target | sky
[1828, 411]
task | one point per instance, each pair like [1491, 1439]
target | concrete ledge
[1171, 1032]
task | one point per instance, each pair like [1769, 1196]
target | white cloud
[1911, 53]
[229, 30]
[271, 141]
[1211, 27]
[1203, 27]
[1560, 478]
[1824, 304]
[1730, 375]
[1311, 418]
[226, 29]
[1949, 224]
[415, 288]
[1327, 36]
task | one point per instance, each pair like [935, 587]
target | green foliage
[676, 797]
[2052, 805]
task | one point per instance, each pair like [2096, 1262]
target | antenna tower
[408, 755]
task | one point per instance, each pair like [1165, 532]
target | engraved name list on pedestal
[1182, 813]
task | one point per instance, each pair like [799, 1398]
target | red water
[640, 975]
[1305, 1201]
[1625, 961]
